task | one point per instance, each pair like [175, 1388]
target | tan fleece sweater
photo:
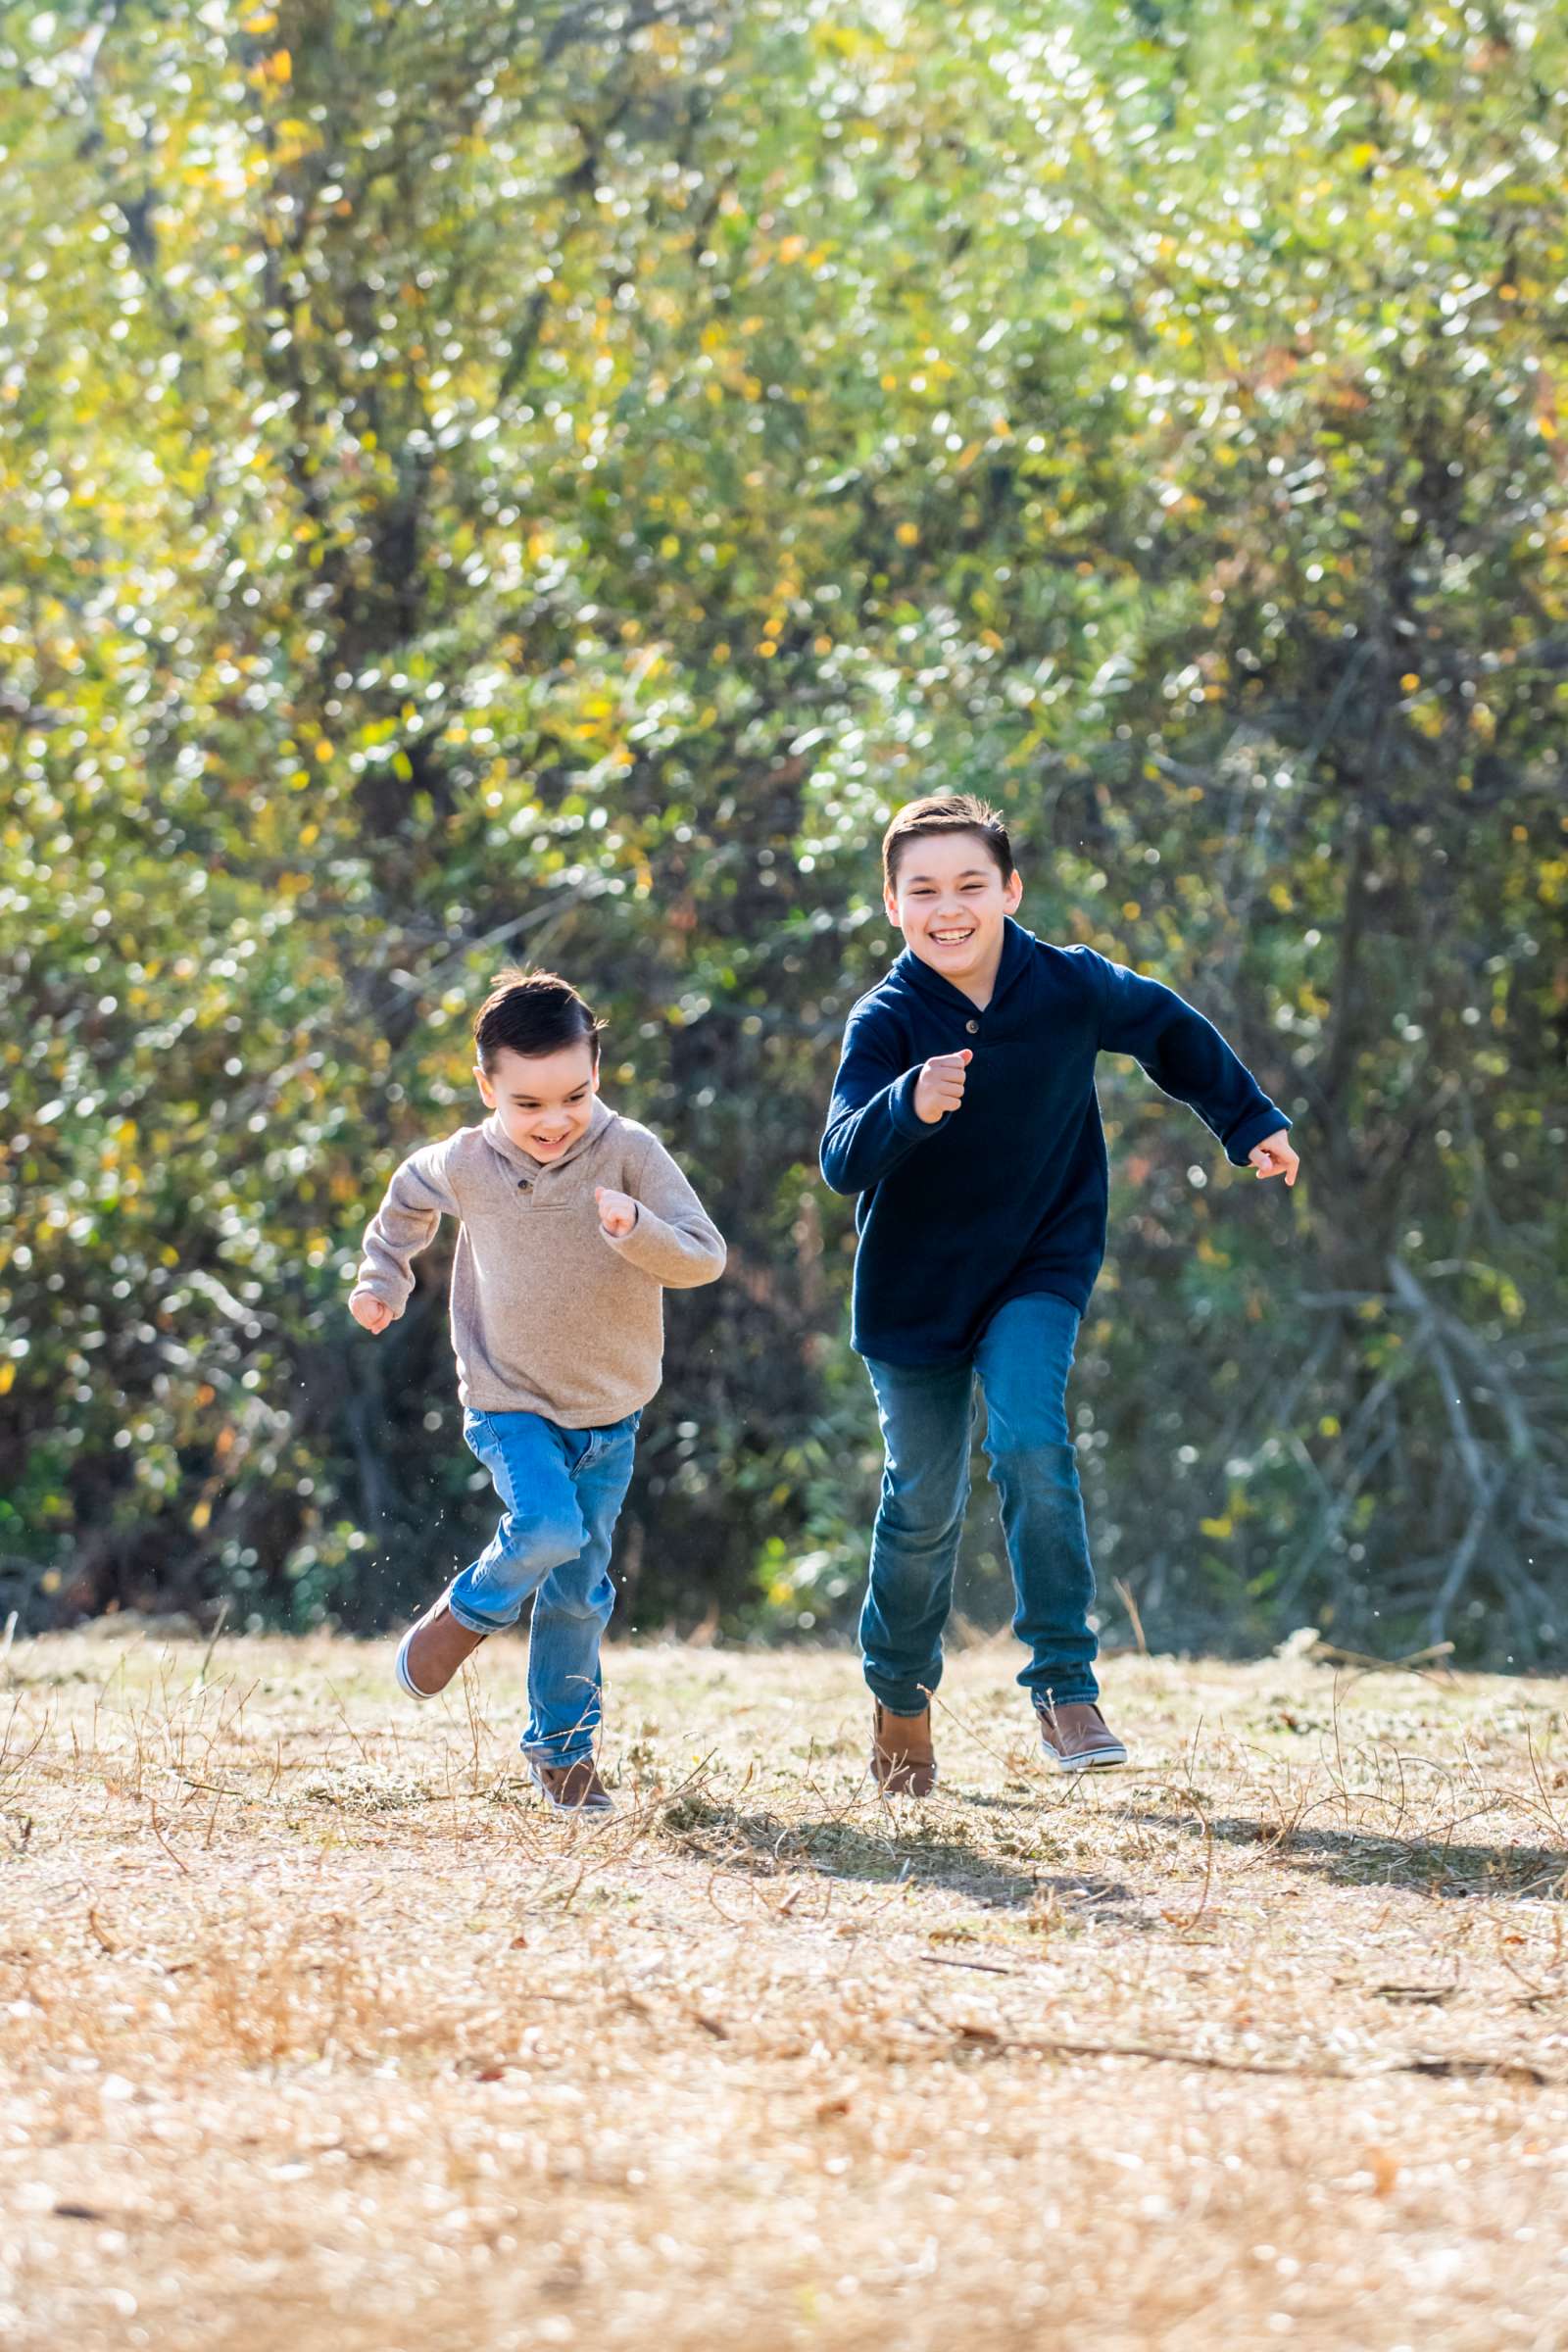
[549, 1316]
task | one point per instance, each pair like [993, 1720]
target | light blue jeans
[563, 1489]
[928, 1416]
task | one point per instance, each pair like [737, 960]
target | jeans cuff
[902, 1698]
[1068, 1693]
[472, 1623]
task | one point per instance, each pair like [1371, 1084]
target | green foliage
[484, 481]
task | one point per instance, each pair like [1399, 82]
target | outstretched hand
[939, 1088]
[1274, 1157]
[617, 1211]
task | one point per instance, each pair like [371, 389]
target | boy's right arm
[417, 1197]
[874, 1120]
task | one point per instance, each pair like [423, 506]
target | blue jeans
[928, 1415]
[563, 1489]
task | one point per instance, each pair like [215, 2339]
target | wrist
[904, 1104]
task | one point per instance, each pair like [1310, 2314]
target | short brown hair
[532, 1012]
[946, 813]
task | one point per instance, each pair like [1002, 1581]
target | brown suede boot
[431, 1652]
[902, 1762]
[1076, 1737]
[573, 1787]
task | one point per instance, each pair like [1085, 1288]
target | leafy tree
[493, 481]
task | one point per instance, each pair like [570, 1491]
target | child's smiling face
[949, 899]
[543, 1101]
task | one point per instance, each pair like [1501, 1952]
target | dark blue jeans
[563, 1489]
[928, 1417]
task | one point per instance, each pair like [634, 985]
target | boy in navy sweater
[965, 1116]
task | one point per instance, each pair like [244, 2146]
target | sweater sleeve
[871, 1121]
[673, 1240]
[417, 1197]
[1186, 1057]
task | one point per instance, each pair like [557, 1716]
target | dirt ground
[320, 2035]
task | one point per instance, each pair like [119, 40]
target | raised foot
[431, 1652]
[1076, 1737]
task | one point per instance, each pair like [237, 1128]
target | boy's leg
[1023, 1362]
[574, 1604]
[927, 1417]
[542, 1525]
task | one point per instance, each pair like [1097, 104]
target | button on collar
[973, 1028]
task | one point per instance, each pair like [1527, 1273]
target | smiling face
[543, 1101]
[949, 899]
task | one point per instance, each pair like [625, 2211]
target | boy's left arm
[1186, 1056]
[661, 1226]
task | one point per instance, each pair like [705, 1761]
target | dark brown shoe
[431, 1652]
[902, 1761]
[573, 1788]
[1076, 1737]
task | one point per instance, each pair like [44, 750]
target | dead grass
[320, 2036]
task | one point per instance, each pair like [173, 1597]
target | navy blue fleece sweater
[1004, 1196]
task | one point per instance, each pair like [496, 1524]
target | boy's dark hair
[532, 1012]
[946, 813]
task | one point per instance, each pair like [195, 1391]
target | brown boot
[1076, 1737]
[573, 1787]
[431, 1652]
[902, 1762]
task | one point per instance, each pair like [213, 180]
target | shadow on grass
[1435, 1866]
[917, 1852]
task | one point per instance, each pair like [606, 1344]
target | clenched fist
[373, 1313]
[617, 1211]
[939, 1088]
[1273, 1156]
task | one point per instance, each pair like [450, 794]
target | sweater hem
[1074, 1295]
[576, 1419]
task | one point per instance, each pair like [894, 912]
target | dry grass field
[319, 2035]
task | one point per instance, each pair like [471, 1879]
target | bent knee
[1035, 1453]
[541, 1545]
[902, 1515]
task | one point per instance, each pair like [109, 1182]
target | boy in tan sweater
[574, 1221]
